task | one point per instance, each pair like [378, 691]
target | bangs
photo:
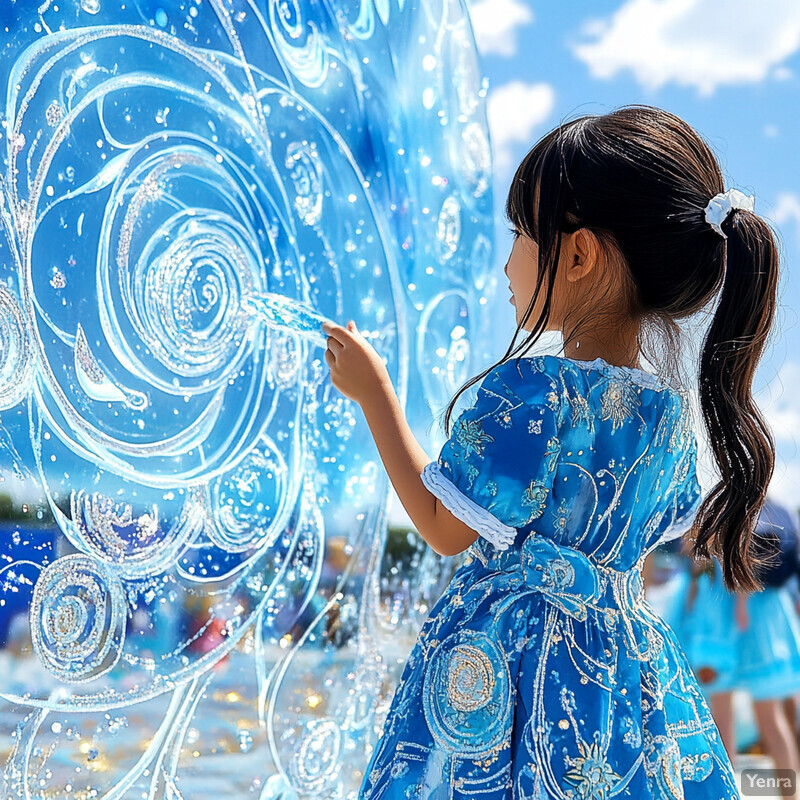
[537, 198]
[523, 194]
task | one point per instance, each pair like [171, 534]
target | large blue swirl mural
[199, 591]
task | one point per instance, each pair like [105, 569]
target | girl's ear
[582, 254]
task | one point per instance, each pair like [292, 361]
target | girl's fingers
[330, 359]
[335, 345]
[340, 333]
[332, 329]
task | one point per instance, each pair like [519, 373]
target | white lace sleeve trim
[469, 512]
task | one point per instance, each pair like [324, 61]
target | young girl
[748, 642]
[541, 672]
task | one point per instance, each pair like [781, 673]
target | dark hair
[640, 178]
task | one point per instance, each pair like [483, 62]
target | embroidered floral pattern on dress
[551, 453]
[535, 497]
[619, 402]
[558, 575]
[591, 774]
[581, 411]
[504, 419]
[470, 435]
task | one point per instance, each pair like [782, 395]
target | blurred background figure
[743, 648]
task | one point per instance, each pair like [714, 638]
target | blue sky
[731, 68]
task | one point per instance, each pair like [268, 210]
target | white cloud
[786, 215]
[699, 43]
[787, 209]
[515, 110]
[495, 23]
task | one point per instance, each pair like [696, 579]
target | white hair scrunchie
[722, 204]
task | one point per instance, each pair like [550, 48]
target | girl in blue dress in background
[749, 642]
[542, 672]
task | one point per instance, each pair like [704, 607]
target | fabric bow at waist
[568, 578]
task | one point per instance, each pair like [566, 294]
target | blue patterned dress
[541, 672]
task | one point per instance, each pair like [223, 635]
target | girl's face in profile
[569, 290]
[522, 269]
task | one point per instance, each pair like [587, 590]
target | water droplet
[90, 6]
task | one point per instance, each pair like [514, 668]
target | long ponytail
[738, 435]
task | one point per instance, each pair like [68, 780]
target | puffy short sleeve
[496, 470]
[685, 498]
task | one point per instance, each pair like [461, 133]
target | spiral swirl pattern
[78, 618]
[466, 686]
[215, 200]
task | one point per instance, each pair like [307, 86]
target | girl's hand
[357, 370]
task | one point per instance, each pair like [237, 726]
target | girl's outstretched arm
[359, 373]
